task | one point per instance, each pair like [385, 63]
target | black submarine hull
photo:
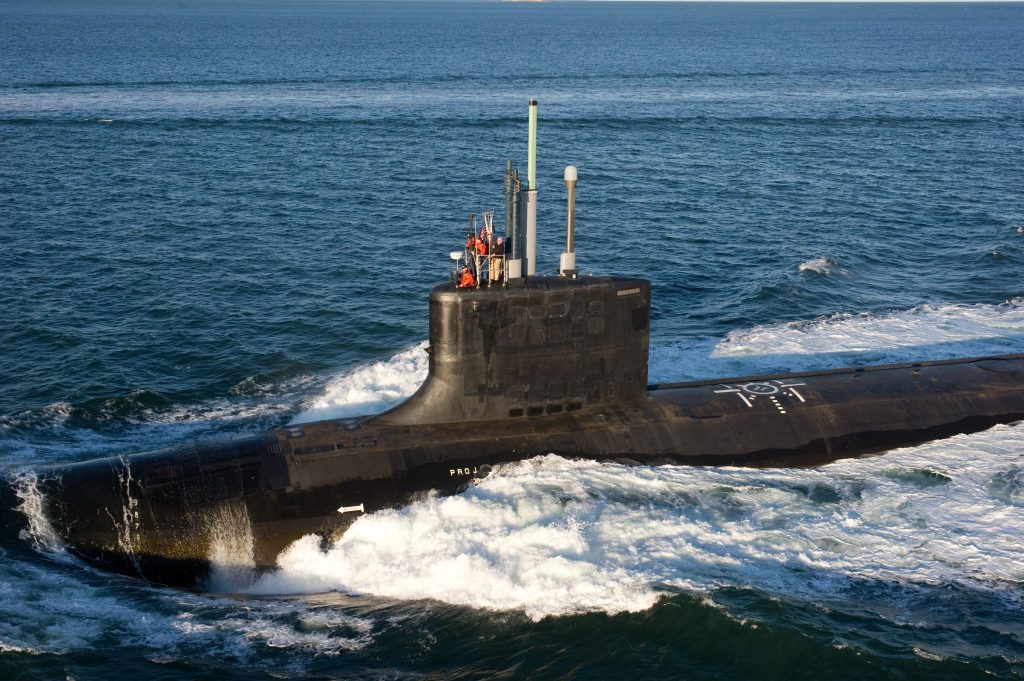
[160, 515]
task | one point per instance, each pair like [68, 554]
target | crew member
[471, 257]
[479, 257]
[497, 264]
[467, 280]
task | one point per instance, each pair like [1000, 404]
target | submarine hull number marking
[481, 471]
[773, 390]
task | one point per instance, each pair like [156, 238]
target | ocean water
[218, 217]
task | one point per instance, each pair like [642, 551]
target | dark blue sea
[218, 217]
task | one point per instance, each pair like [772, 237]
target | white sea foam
[370, 389]
[980, 328]
[39, 531]
[552, 537]
[57, 608]
[922, 333]
[49, 610]
[11, 648]
[817, 266]
[232, 549]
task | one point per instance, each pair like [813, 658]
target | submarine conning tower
[515, 345]
[546, 345]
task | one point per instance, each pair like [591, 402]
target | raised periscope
[520, 365]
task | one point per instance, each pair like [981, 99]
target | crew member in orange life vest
[481, 257]
[467, 280]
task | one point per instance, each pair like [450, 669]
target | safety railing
[488, 270]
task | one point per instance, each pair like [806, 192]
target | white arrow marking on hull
[347, 509]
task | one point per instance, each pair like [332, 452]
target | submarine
[520, 365]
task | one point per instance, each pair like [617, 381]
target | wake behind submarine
[520, 365]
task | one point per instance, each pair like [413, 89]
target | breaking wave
[370, 389]
[817, 266]
[926, 332]
[554, 537]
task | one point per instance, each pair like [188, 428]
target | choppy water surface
[219, 218]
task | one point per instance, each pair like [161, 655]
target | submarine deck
[755, 378]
